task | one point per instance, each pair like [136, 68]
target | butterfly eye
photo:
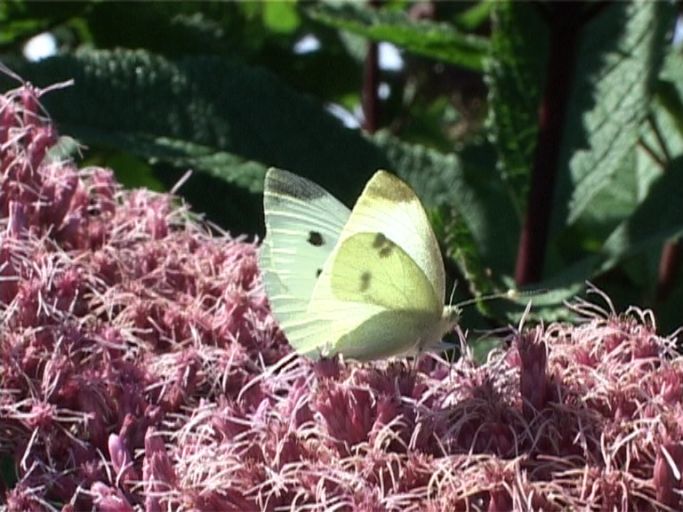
[315, 238]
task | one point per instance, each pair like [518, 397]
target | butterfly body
[368, 283]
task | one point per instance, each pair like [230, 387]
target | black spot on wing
[383, 245]
[365, 278]
[318, 272]
[315, 238]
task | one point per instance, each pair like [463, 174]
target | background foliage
[545, 139]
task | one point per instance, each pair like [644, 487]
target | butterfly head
[433, 338]
[450, 317]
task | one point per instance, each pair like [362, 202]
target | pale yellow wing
[390, 207]
[375, 301]
[303, 224]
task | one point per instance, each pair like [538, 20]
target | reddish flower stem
[565, 21]
[370, 89]
[669, 264]
[370, 93]
[670, 260]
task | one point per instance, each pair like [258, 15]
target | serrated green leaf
[468, 183]
[619, 57]
[515, 71]
[657, 219]
[435, 40]
[661, 138]
[611, 205]
[206, 113]
[669, 95]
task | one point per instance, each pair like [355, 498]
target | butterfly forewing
[303, 223]
[370, 268]
[374, 296]
[390, 207]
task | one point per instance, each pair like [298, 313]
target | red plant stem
[565, 21]
[670, 260]
[642, 143]
[370, 89]
[370, 93]
[669, 263]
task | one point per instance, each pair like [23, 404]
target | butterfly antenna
[509, 294]
[450, 300]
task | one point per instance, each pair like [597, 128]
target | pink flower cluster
[140, 370]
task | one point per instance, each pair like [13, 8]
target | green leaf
[130, 171]
[281, 16]
[469, 184]
[611, 206]
[435, 40]
[669, 95]
[21, 20]
[209, 114]
[515, 73]
[657, 219]
[475, 16]
[619, 57]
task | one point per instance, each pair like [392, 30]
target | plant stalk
[564, 20]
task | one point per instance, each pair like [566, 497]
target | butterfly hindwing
[376, 300]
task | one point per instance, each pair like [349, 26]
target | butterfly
[368, 283]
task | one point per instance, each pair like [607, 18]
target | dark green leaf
[131, 171]
[21, 20]
[657, 219]
[204, 113]
[669, 98]
[619, 57]
[469, 184]
[515, 73]
[475, 16]
[435, 40]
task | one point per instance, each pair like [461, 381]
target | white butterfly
[367, 283]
